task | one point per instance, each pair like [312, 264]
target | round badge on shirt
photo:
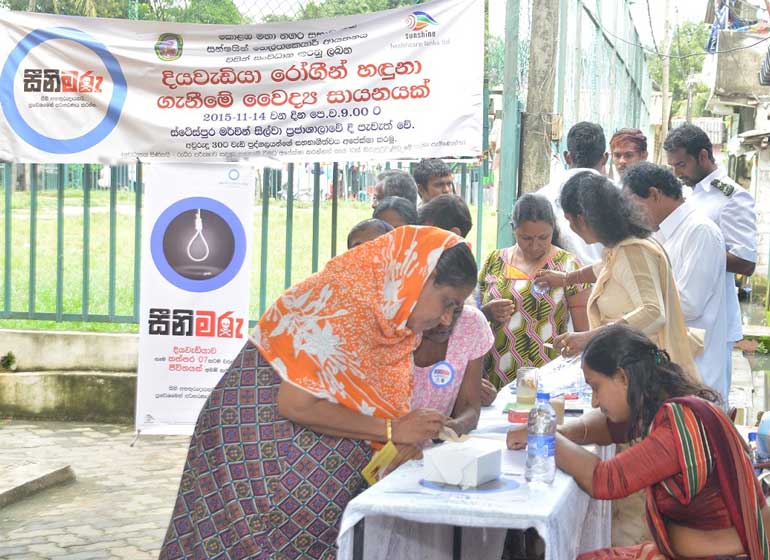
[442, 374]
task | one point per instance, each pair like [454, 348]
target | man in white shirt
[586, 151]
[697, 252]
[729, 206]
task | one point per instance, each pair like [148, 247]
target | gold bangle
[389, 429]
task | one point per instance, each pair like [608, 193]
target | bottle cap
[543, 396]
[752, 436]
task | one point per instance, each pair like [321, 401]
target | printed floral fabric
[536, 320]
[341, 334]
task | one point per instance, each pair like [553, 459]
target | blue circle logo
[234, 174]
[185, 282]
[442, 374]
[47, 143]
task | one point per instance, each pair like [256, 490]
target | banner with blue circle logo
[365, 87]
[194, 301]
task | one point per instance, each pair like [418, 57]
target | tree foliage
[188, 11]
[333, 8]
[92, 8]
[688, 38]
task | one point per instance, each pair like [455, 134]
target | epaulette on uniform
[726, 188]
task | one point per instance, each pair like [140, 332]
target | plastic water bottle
[763, 437]
[539, 289]
[541, 441]
[753, 450]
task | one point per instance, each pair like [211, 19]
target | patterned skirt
[256, 485]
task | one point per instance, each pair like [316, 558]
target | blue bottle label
[542, 446]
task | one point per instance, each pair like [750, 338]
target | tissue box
[466, 464]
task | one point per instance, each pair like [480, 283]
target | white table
[403, 519]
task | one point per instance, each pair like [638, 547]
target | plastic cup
[526, 385]
[558, 407]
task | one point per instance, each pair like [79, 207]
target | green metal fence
[602, 71]
[36, 249]
[72, 235]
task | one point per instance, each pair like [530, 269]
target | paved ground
[119, 506]
[121, 502]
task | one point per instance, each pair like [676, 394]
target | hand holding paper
[418, 426]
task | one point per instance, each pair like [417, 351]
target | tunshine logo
[417, 22]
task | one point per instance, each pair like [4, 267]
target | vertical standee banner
[195, 288]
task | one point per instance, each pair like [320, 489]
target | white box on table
[467, 464]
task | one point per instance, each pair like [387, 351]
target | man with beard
[730, 206]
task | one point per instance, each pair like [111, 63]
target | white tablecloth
[406, 520]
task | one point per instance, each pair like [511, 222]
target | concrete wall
[69, 395]
[61, 351]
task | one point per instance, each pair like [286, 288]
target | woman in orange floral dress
[280, 444]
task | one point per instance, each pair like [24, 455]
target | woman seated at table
[633, 283]
[703, 498]
[447, 368]
[280, 444]
[465, 342]
[523, 318]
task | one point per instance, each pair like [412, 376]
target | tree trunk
[536, 126]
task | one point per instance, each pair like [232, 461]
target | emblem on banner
[417, 21]
[169, 47]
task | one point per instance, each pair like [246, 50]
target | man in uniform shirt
[729, 206]
[697, 252]
[586, 151]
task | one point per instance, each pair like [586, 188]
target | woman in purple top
[447, 368]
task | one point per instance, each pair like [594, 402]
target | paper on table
[514, 463]
[560, 376]
[448, 434]
[404, 480]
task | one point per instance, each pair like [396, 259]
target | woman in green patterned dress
[526, 316]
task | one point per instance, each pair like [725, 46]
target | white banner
[194, 304]
[401, 83]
